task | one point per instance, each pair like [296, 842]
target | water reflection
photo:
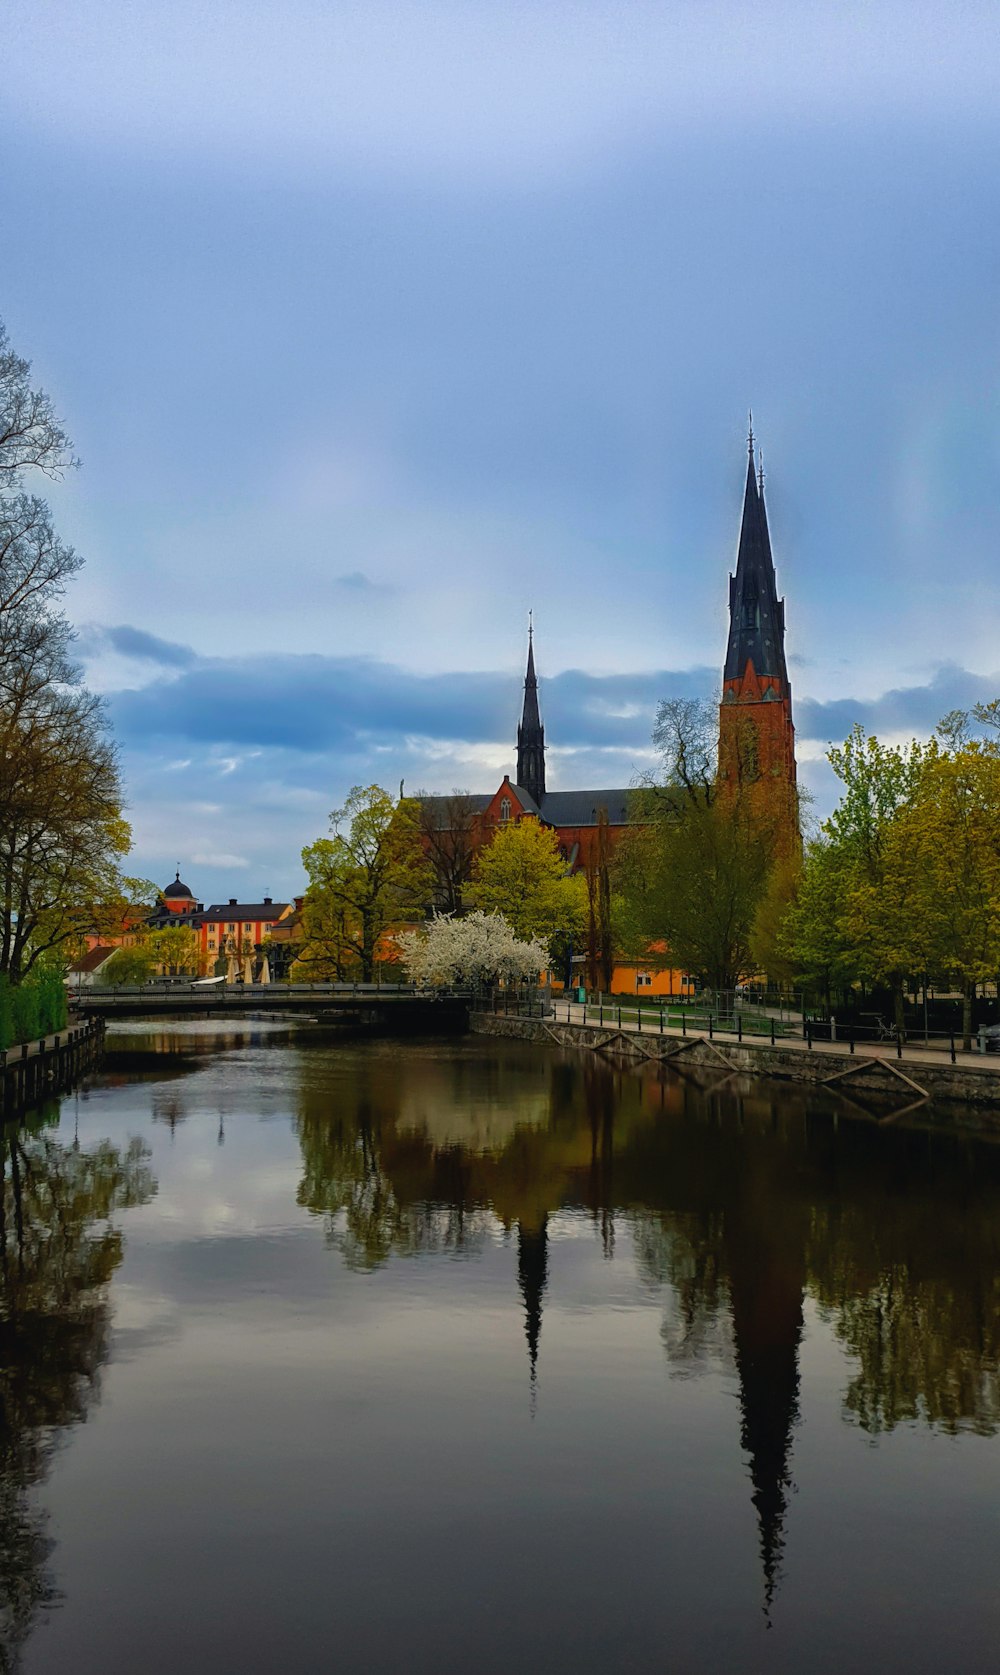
[469, 1354]
[740, 1209]
[58, 1251]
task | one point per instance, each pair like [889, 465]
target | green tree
[371, 876]
[175, 949]
[860, 912]
[128, 967]
[946, 843]
[690, 876]
[521, 875]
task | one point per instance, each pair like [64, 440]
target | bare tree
[31, 437]
[686, 734]
[449, 832]
[61, 827]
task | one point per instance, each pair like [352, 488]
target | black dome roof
[178, 890]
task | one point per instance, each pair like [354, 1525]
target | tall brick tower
[756, 734]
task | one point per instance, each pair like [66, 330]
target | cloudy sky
[378, 323]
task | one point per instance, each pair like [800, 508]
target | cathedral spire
[756, 614]
[531, 733]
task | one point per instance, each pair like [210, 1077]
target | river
[435, 1356]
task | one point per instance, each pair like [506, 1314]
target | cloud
[360, 708]
[358, 582]
[95, 640]
[287, 739]
[314, 703]
[907, 710]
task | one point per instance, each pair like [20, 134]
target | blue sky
[376, 325]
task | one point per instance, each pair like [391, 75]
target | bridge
[399, 1005]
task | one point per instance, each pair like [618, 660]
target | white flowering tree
[478, 949]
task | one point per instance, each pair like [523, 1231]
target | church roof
[756, 614]
[581, 808]
[445, 807]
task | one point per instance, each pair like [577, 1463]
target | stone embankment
[878, 1085]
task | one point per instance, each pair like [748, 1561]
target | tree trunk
[898, 1009]
[968, 990]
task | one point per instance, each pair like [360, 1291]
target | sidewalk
[917, 1053]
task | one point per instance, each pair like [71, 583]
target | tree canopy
[904, 878]
[522, 875]
[370, 877]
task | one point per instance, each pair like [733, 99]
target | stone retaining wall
[954, 1094]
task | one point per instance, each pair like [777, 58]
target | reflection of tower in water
[532, 1277]
[766, 1288]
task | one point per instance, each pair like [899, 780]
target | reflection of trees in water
[683, 1253]
[739, 1207]
[169, 1107]
[59, 1250]
[373, 1211]
[910, 1277]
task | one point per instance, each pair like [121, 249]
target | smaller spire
[760, 473]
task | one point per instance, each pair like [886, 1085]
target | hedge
[31, 1009]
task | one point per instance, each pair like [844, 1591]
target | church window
[505, 810]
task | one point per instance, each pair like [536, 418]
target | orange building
[223, 928]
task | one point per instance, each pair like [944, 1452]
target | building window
[230, 928]
[643, 980]
[247, 925]
[505, 810]
[267, 930]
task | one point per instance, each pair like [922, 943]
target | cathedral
[756, 733]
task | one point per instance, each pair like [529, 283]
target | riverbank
[35, 1069]
[877, 1082]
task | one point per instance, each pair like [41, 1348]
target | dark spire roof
[532, 1277]
[178, 891]
[531, 733]
[530, 717]
[756, 614]
[766, 1290]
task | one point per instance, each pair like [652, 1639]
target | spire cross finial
[530, 628]
[750, 436]
[760, 473]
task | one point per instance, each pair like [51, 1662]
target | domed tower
[177, 898]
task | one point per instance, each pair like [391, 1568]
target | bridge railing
[240, 993]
